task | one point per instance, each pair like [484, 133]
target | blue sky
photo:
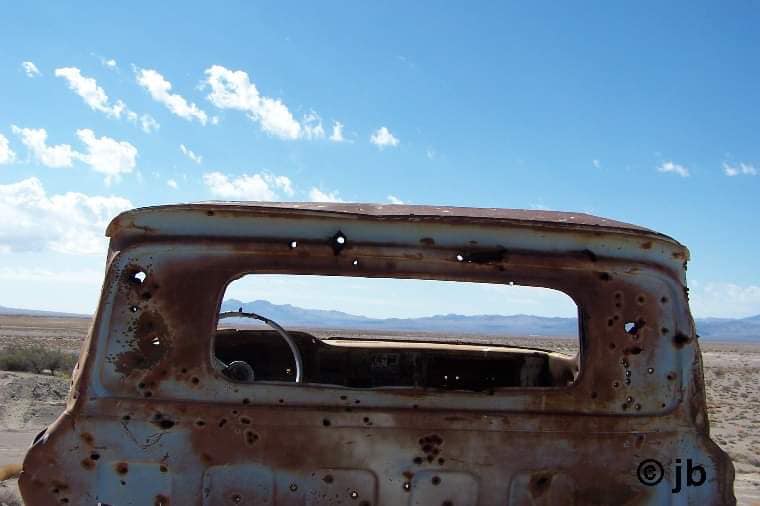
[644, 112]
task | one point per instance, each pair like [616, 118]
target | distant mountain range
[12, 311]
[724, 329]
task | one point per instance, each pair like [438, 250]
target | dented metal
[151, 419]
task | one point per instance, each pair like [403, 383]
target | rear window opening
[405, 333]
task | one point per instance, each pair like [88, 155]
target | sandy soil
[29, 402]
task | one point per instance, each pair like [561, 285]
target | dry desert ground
[29, 402]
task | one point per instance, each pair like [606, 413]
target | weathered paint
[151, 420]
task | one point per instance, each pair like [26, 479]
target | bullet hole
[612, 346]
[163, 468]
[326, 422]
[122, 482]
[663, 300]
[222, 422]
[641, 299]
[338, 242]
[194, 380]
[343, 397]
[245, 420]
[166, 424]
[293, 487]
[624, 406]
[366, 420]
[407, 486]
[354, 494]
[139, 277]
[664, 331]
[631, 327]
[605, 276]
[671, 376]
[293, 244]
[236, 498]
[355, 262]
[281, 401]
[650, 370]
[637, 407]
[460, 257]
[441, 461]
[610, 322]
[680, 340]
[418, 460]
[436, 480]
[200, 423]
[94, 456]
[629, 399]
[133, 308]
[328, 478]
[633, 350]
[246, 401]
[122, 468]
[594, 395]
[155, 341]
[251, 437]
[147, 393]
[615, 384]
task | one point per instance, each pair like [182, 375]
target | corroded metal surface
[152, 420]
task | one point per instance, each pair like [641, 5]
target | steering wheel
[288, 339]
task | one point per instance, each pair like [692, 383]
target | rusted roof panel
[440, 214]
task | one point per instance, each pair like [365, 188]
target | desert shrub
[36, 358]
[9, 498]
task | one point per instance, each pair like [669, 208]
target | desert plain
[29, 402]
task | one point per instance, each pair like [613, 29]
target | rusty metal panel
[151, 417]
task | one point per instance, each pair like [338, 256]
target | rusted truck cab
[155, 417]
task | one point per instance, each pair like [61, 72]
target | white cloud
[148, 123]
[261, 186]
[159, 89]
[30, 69]
[312, 126]
[67, 223]
[317, 195]
[196, 158]
[171, 183]
[383, 138]
[92, 94]
[106, 155]
[674, 168]
[6, 153]
[234, 90]
[84, 276]
[60, 155]
[95, 97]
[741, 169]
[337, 132]
[727, 300]
[596, 163]
[110, 64]
[394, 200]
